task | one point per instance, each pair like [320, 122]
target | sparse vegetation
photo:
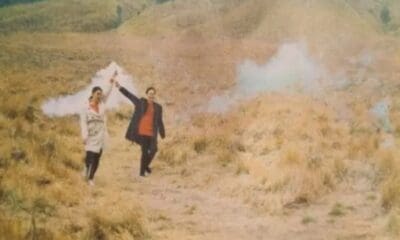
[241, 168]
[391, 192]
[393, 224]
[385, 15]
[307, 220]
[161, 1]
[337, 210]
[224, 157]
[121, 222]
[76, 16]
[12, 2]
[200, 145]
[40, 157]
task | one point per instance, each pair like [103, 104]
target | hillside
[74, 16]
[293, 150]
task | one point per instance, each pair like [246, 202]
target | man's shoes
[148, 170]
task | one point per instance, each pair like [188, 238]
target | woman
[94, 129]
[145, 125]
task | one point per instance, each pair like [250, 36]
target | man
[145, 125]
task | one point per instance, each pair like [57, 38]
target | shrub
[337, 210]
[172, 155]
[307, 219]
[113, 225]
[224, 157]
[391, 192]
[161, 1]
[10, 228]
[200, 145]
[4, 3]
[385, 15]
[393, 224]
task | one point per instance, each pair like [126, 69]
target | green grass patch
[337, 210]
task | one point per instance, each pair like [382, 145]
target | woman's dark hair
[94, 89]
[149, 89]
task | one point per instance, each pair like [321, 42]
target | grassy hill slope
[72, 16]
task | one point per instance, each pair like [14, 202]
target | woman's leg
[95, 164]
[88, 162]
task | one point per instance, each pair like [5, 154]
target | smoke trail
[290, 69]
[381, 112]
[72, 104]
[223, 102]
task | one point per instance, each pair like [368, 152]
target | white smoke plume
[290, 69]
[72, 104]
[381, 113]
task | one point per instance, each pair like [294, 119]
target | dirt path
[176, 211]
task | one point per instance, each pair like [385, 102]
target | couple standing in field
[144, 127]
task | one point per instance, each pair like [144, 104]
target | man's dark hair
[96, 88]
[150, 88]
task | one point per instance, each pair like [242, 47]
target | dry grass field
[276, 164]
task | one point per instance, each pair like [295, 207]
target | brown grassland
[282, 165]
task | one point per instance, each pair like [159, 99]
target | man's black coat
[140, 110]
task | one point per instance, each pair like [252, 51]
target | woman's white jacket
[94, 125]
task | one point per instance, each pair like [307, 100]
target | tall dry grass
[294, 147]
[121, 223]
[299, 145]
[41, 158]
